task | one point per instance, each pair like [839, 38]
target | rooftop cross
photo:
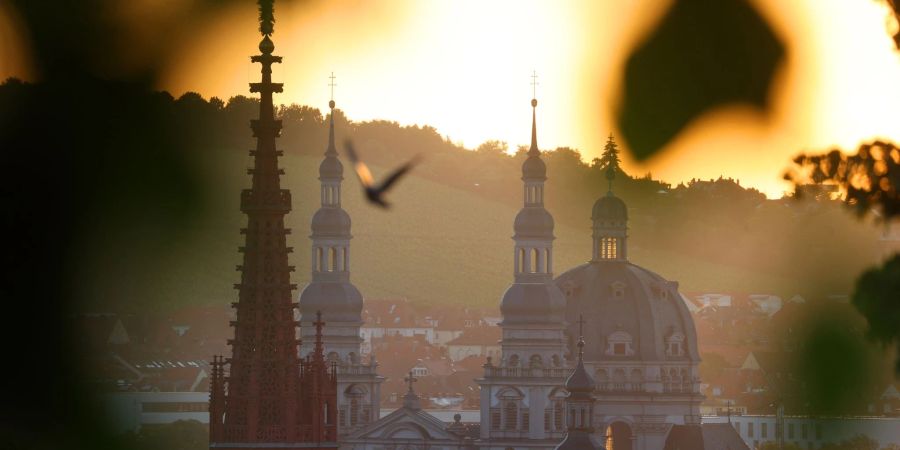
[410, 379]
[332, 85]
[580, 336]
[581, 325]
[534, 84]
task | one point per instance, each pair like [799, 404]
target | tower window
[334, 261]
[511, 415]
[535, 261]
[609, 248]
[619, 344]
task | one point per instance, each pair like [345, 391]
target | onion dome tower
[516, 392]
[580, 407]
[331, 292]
[533, 301]
[268, 398]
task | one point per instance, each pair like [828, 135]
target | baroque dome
[339, 302]
[634, 313]
[330, 222]
[533, 222]
[534, 168]
[331, 167]
[610, 208]
[525, 303]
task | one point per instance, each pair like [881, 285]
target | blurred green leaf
[877, 297]
[704, 54]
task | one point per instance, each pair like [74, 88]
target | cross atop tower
[580, 323]
[534, 83]
[410, 379]
[580, 335]
[332, 85]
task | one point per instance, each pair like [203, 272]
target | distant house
[766, 304]
[476, 341]
[717, 300]
[385, 318]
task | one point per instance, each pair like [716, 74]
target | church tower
[520, 394]
[580, 407]
[330, 291]
[268, 397]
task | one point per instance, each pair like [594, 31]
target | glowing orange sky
[463, 66]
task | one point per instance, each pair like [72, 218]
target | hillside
[438, 245]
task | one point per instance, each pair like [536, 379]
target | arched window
[522, 266]
[556, 361]
[535, 261]
[334, 262]
[320, 262]
[513, 361]
[536, 362]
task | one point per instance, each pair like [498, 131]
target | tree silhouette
[266, 17]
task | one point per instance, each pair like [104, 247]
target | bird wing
[396, 175]
[362, 171]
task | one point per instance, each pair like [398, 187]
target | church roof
[405, 425]
[580, 382]
[709, 436]
[628, 303]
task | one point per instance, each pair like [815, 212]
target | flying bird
[375, 193]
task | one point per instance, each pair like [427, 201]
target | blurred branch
[867, 181]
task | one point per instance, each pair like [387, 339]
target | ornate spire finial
[534, 147]
[331, 85]
[331, 150]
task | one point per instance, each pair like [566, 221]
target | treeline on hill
[718, 221]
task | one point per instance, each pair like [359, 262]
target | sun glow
[464, 67]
